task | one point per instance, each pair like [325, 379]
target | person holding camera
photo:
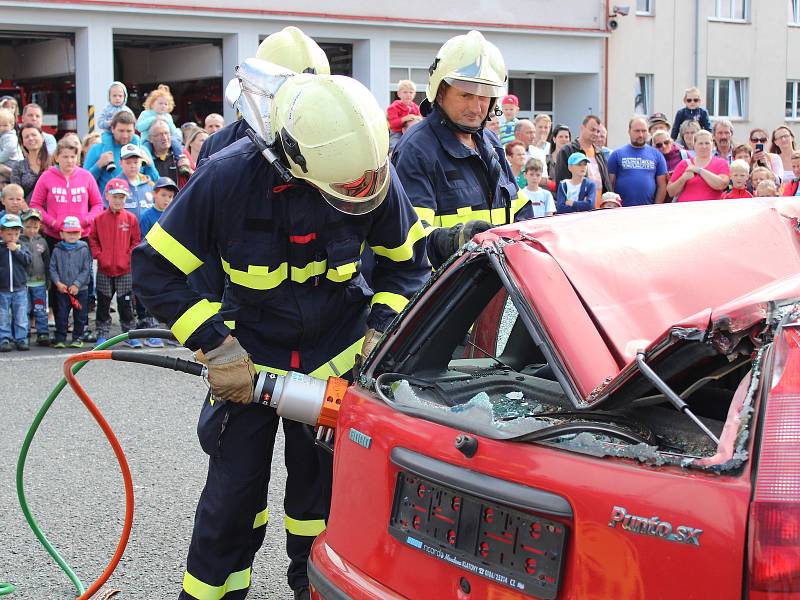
[103, 160]
[762, 158]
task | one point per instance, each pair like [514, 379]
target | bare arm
[674, 188]
[717, 182]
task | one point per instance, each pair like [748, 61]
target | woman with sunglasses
[673, 153]
[783, 146]
[761, 158]
[692, 111]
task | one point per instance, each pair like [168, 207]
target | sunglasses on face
[693, 100]
[759, 140]
[662, 144]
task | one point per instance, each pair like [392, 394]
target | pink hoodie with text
[57, 197]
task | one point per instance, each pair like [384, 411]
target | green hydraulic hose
[7, 588]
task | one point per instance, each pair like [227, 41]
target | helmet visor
[476, 88]
[365, 186]
[363, 194]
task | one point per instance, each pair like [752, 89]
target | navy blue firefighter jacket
[294, 295]
[449, 183]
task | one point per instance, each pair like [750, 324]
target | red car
[600, 405]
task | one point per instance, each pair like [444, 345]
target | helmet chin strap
[464, 128]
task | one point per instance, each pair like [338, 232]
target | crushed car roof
[609, 283]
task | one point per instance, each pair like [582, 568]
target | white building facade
[743, 55]
[554, 50]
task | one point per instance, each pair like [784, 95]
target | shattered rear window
[472, 364]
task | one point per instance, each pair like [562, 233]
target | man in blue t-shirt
[638, 171]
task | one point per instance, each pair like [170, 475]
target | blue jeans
[37, 304]
[80, 318]
[14, 314]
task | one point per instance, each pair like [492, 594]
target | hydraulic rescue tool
[294, 396]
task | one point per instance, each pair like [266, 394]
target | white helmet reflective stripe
[471, 63]
[294, 50]
[335, 137]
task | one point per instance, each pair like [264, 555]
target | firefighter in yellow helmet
[289, 234]
[454, 171]
[289, 48]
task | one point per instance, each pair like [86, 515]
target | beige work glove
[370, 341]
[231, 373]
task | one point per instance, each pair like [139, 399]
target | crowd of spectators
[73, 210]
[686, 159]
[98, 196]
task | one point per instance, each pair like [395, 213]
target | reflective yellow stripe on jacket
[495, 216]
[172, 250]
[429, 216]
[394, 301]
[240, 580]
[404, 251]
[193, 318]
[263, 278]
[339, 365]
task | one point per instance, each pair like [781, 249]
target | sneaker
[76, 344]
[43, 339]
[135, 343]
[23, 345]
[59, 345]
[101, 340]
[154, 343]
[89, 336]
[6, 346]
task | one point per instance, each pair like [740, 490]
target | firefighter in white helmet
[454, 171]
[294, 297]
[289, 48]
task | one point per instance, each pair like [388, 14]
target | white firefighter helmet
[335, 137]
[470, 63]
[294, 50]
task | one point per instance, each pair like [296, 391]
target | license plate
[512, 548]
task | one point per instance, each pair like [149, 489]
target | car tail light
[774, 537]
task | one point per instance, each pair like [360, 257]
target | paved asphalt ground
[74, 486]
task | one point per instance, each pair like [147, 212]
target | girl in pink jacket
[66, 190]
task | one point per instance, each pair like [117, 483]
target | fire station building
[64, 54]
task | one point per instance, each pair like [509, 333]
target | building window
[643, 95]
[644, 7]
[727, 98]
[732, 10]
[535, 95]
[794, 12]
[418, 75]
[793, 99]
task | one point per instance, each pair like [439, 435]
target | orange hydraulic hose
[123, 463]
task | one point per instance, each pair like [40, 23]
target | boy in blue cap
[14, 261]
[576, 193]
[38, 272]
[163, 192]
